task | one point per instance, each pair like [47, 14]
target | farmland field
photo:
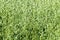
[29, 19]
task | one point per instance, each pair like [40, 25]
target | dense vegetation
[29, 19]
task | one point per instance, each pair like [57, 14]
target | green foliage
[29, 20]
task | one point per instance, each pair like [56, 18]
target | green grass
[29, 19]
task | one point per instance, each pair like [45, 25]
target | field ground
[29, 19]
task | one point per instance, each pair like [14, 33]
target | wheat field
[29, 19]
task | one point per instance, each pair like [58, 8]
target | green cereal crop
[29, 19]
